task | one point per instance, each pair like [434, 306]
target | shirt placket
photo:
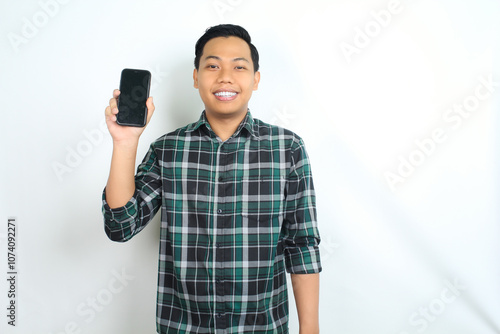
[221, 244]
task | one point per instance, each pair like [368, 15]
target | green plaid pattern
[235, 217]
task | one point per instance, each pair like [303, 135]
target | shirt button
[219, 211]
[219, 281]
[220, 315]
[221, 178]
[217, 245]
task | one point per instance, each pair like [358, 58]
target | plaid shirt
[234, 216]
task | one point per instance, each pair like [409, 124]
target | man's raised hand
[125, 134]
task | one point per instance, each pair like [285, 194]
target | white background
[390, 253]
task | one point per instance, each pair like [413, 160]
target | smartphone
[134, 91]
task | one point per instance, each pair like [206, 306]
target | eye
[240, 68]
[211, 66]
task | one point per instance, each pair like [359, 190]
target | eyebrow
[234, 60]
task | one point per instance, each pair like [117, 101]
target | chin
[227, 111]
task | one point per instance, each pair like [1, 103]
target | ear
[256, 80]
[195, 78]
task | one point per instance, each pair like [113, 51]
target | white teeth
[225, 94]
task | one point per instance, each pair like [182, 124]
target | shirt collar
[247, 123]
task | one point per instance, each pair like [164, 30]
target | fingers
[113, 106]
[112, 109]
[109, 115]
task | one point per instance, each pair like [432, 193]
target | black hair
[225, 30]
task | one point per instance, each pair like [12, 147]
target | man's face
[226, 77]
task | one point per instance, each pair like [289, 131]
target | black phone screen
[134, 91]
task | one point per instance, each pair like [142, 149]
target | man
[237, 204]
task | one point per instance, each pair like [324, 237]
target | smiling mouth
[225, 95]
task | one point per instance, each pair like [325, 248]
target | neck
[225, 126]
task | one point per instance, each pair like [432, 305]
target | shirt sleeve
[301, 236]
[121, 224]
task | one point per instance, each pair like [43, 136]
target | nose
[225, 75]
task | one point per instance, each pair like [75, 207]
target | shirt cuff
[118, 216]
[303, 260]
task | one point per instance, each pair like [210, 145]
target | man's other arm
[306, 293]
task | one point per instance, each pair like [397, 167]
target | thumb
[151, 108]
